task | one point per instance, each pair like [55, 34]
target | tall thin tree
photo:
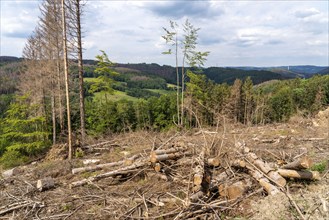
[68, 111]
[80, 67]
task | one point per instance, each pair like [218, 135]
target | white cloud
[306, 12]
[235, 32]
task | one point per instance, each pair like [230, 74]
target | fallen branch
[18, 205]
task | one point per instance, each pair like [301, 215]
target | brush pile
[197, 185]
[180, 178]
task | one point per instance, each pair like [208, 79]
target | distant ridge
[9, 59]
[217, 74]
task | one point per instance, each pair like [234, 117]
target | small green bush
[321, 167]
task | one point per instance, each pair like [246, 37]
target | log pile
[209, 181]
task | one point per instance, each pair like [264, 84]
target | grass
[320, 167]
[116, 96]
[161, 91]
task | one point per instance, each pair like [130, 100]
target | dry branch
[18, 205]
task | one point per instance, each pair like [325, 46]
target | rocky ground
[165, 189]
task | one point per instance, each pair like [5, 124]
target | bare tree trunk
[67, 82]
[80, 66]
[53, 115]
[177, 77]
[183, 84]
[60, 100]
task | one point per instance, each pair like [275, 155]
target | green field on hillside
[118, 95]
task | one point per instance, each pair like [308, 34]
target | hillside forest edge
[129, 97]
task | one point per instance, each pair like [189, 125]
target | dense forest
[26, 126]
[52, 95]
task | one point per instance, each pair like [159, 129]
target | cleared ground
[137, 195]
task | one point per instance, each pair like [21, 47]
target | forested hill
[324, 71]
[217, 74]
[303, 71]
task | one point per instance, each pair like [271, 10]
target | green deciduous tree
[281, 105]
[190, 56]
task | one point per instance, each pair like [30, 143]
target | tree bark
[123, 170]
[199, 170]
[80, 67]
[235, 190]
[45, 184]
[215, 161]
[126, 162]
[299, 164]
[162, 157]
[305, 174]
[67, 82]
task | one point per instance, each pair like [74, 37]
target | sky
[236, 33]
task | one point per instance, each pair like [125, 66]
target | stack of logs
[209, 175]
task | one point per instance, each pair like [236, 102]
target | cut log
[158, 176]
[238, 163]
[269, 188]
[126, 162]
[299, 164]
[262, 180]
[235, 190]
[199, 170]
[45, 184]
[196, 196]
[91, 161]
[264, 167]
[162, 157]
[215, 162]
[124, 170]
[277, 178]
[170, 150]
[305, 174]
[157, 167]
[12, 172]
[267, 169]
